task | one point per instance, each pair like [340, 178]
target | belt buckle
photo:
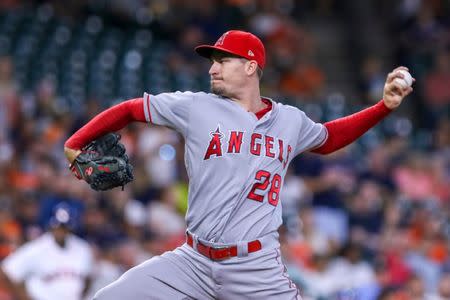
[227, 253]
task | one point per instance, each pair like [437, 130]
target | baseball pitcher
[238, 148]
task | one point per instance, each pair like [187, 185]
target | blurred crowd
[371, 221]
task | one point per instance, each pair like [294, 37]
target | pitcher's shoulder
[202, 94]
[288, 109]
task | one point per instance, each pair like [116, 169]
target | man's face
[60, 233]
[227, 74]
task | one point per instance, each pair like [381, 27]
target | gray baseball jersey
[235, 162]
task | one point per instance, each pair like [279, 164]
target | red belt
[221, 253]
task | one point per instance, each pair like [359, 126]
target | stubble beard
[220, 91]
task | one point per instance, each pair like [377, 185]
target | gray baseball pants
[186, 274]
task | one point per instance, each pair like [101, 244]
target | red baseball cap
[237, 42]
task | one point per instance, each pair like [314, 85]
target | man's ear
[251, 67]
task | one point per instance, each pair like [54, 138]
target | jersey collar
[262, 112]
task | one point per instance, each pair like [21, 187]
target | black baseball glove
[103, 163]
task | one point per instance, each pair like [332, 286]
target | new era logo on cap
[237, 42]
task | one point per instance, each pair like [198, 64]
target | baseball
[406, 81]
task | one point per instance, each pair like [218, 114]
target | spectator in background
[8, 86]
[9, 96]
[304, 80]
[351, 271]
[130, 253]
[393, 293]
[329, 179]
[157, 147]
[441, 141]
[443, 291]
[423, 248]
[394, 243]
[317, 281]
[9, 114]
[10, 231]
[163, 216]
[46, 101]
[312, 242]
[98, 227]
[372, 79]
[106, 268]
[26, 209]
[379, 163]
[436, 87]
[415, 288]
[426, 28]
[294, 195]
[419, 181]
[366, 214]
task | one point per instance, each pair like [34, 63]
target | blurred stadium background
[368, 222]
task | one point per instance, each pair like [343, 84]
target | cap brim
[207, 50]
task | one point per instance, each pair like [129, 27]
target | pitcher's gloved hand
[103, 163]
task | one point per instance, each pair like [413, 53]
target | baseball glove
[103, 163]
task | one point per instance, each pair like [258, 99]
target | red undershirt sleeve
[111, 119]
[344, 131]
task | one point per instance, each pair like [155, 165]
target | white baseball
[406, 81]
